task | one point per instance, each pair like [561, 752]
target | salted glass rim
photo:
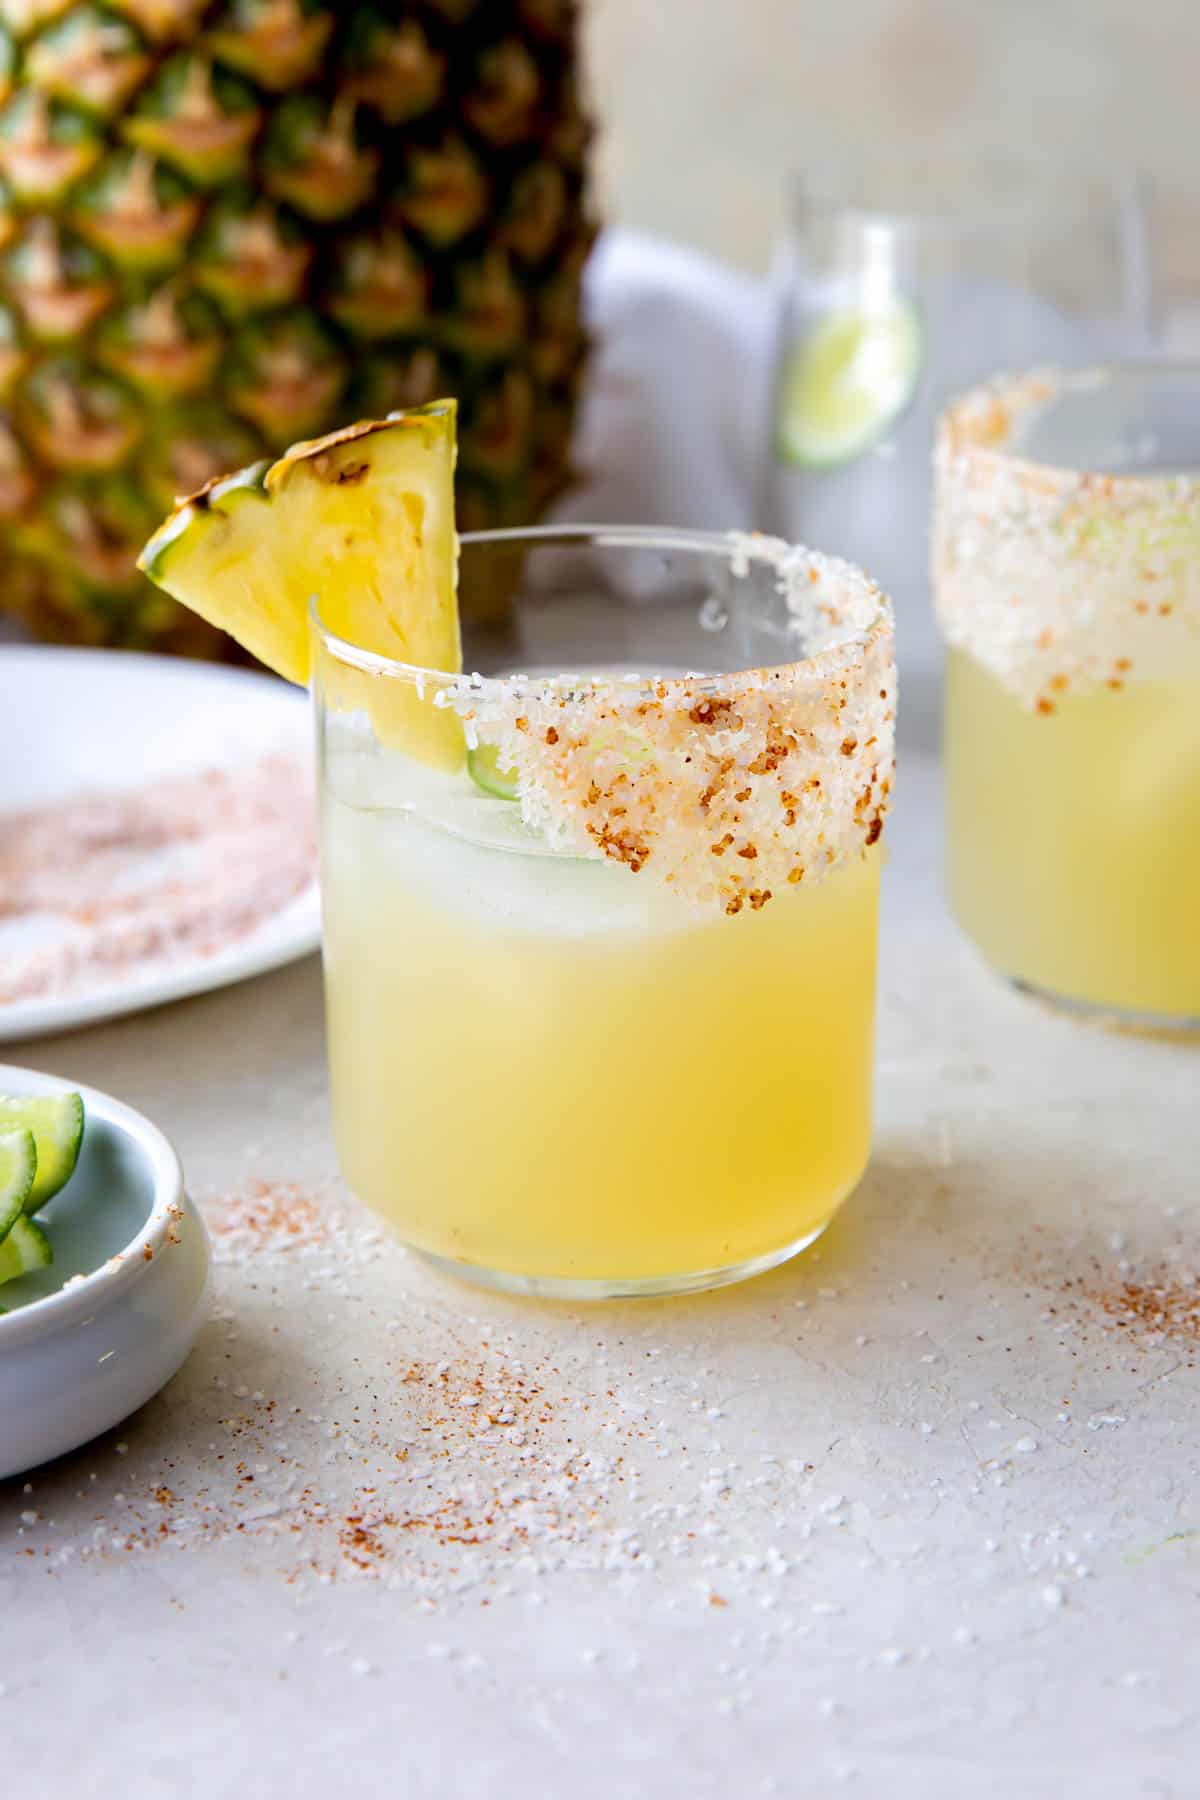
[1060, 580]
[985, 423]
[829, 574]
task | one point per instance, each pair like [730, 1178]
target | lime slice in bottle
[846, 381]
[18, 1170]
[56, 1121]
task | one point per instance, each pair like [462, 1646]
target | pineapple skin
[229, 224]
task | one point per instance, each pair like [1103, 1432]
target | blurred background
[706, 110]
[708, 265]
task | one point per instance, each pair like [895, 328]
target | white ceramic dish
[89, 719]
[76, 1360]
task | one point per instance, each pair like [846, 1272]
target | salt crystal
[1026, 1446]
[1053, 1596]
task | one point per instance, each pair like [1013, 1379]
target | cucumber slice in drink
[56, 1121]
[846, 382]
[18, 1172]
[483, 766]
[24, 1249]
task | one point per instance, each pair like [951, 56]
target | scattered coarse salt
[1053, 1597]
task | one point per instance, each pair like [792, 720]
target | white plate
[77, 719]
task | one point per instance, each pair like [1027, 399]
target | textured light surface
[917, 1516]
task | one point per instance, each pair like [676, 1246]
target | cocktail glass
[1067, 572]
[600, 920]
[887, 306]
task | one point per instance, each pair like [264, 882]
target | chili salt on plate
[156, 833]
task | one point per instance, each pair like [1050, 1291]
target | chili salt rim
[1055, 579]
[729, 788]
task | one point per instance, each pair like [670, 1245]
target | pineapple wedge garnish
[362, 522]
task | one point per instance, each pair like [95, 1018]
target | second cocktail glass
[600, 921]
[1067, 569]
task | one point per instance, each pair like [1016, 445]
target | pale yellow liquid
[1074, 838]
[557, 1069]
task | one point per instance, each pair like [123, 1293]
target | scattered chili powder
[266, 1215]
[1164, 1304]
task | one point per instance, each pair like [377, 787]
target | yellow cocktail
[601, 1008]
[599, 942]
[1074, 853]
[1072, 605]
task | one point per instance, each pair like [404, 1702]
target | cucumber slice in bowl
[56, 1122]
[18, 1172]
[847, 381]
[24, 1249]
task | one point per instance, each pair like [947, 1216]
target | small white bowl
[77, 1359]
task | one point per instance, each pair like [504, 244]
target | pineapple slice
[361, 521]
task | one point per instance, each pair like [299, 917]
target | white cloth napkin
[672, 429]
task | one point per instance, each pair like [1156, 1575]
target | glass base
[1113, 1018]
[619, 1287]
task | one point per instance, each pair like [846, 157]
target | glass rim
[825, 572]
[828, 191]
[1060, 580]
[983, 423]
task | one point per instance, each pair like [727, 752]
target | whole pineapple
[229, 224]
